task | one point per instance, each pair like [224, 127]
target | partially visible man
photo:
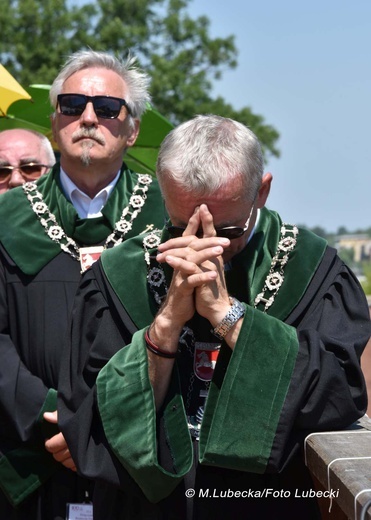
[50, 231]
[195, 373]
[25, 155]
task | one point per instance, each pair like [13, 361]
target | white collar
[84, 205]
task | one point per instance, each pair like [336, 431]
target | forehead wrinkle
[26, 160]
[21, 162]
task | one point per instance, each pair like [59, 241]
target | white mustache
[90, 132]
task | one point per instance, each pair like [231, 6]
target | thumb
[51, 417]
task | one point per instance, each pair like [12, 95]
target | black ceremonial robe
[37, 286]
[294, 370]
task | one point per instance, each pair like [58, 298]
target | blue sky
[306, 67]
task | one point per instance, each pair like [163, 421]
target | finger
[202, 278]
[194, 223]
[62, 455]
[183, 246]
[189, 261]
[189, 241]
[207, 221]
[192, 275]
[67, 462]
[189, 282]
[51, 417]
[175, 243]
[55, 443]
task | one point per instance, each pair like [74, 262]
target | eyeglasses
[106, 107]
[230, 232]
[30, 171]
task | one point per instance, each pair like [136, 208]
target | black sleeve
[99, 327]
[22, 394]
[327, 390]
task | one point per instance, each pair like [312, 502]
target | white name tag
[79, 512]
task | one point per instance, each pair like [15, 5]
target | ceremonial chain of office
[56, 233]
[273, 282]
[275, 277]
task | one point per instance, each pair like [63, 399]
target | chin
[230, 253]
[227, 256]
[85, 160]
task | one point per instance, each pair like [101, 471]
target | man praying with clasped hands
[195, 372]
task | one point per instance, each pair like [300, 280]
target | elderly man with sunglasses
[25, 155]
[51, 230]
[194, 374]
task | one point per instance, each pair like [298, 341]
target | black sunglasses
[230, 232]
[30, 171]
[106, 107]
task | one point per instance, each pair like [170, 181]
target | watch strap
[236, 312]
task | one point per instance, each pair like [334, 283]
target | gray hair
[205, 153]
[137, 81]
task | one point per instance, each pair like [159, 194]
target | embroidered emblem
[204, 361]
[89, 255]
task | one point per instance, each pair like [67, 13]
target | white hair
[137, 81]
[47, 146]
[205, 153]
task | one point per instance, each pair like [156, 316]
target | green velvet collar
[245, 280]
[23, 236]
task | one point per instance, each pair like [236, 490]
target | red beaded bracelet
[157, 350]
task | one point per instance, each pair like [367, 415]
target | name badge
[79, 512]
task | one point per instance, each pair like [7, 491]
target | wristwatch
[236, 312]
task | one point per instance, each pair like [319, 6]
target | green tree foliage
[37, 36]
[176, 50]
[342, 230]
[347, 255]
[367, 273]
[320, 231]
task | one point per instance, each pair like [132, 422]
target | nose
[89, 117]
[16, 179]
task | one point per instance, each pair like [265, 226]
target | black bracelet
[157, 350]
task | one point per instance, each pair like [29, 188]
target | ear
[134, 133]
[264, 190]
